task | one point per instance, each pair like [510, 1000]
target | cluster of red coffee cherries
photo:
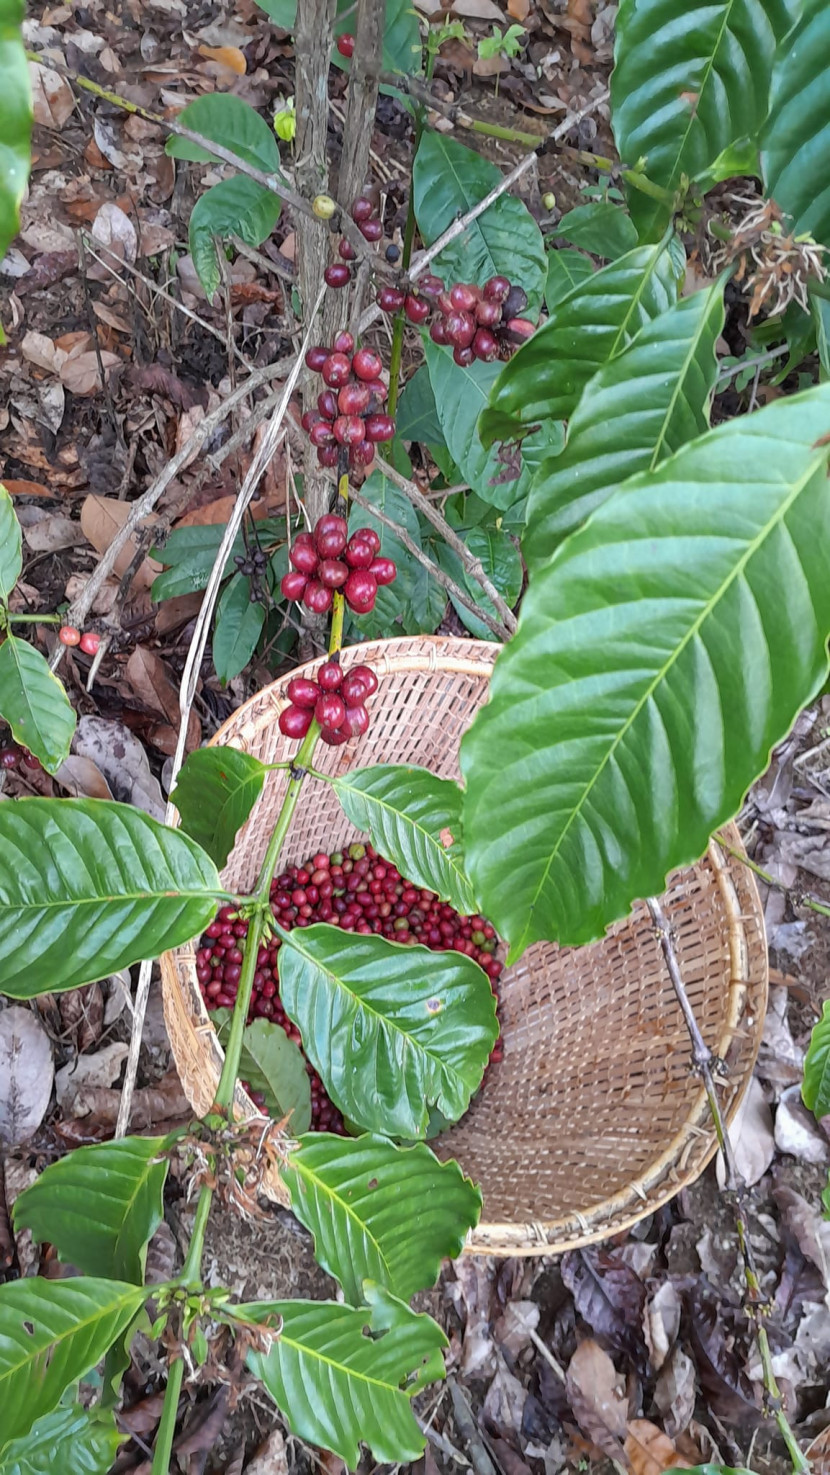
[357, 891]
[476, 322]
[328, 559]
[337, 700]
[365, 216]
[350, 409]
[88, 642]
[12, 755]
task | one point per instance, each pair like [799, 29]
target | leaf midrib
[100, 1313]
[693, 115]
[348, 1210]
[691, 357]
[660, 675]
[44, 906]
[341, 1367]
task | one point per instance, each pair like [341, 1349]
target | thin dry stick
[796, 897]
[190, 676]
[473, 565]
[495, 626]
[705, 1063]
[139, 509]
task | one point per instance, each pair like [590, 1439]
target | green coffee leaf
[637, 410]
[238, 626]
[337, 1387]
[189, 555]
[690, 84]
[380, 1212]
[34, 703]
[460, 397]
[566, 270]
[89, 887]
[601, 228]
[237, 206]
[11, 551]
[82, 1440]
[500, 560]
[15, 129]
[227, 120]
[417, 414]
[215, 792]
[414, 819]
[393, 606]
[815, 1088]
[447, 180]
[99, 1206]
[795, 144]
[661, 653]
[52, 1332]
[391, 1029]
[595, 322]
[274, 1065]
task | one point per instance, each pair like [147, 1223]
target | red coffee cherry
[302, 692]
[333, 573]
[379, 427]
[355, 722]
[384, 570]
[292, 584]
[303, 554]
[360, 590]
[330, 676]
[336, 370]
[367, 675]
[294, 722]
[316, 357]
[417, 309]
[367, 364]
[345, 44]
[89, 643]
[362, 209]
[344, 343]
[337, 275]
[317, 597]
[68, 635]
[390, 299]
[359, 551]
[330, 710]
[496, 289]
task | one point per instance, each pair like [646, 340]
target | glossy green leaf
[237, 206]
[689, 83]
[99, 1206]
[83, 1441]
[215, 792]
[661, 653]
[15, 125]
[274, 1065]
[447, 180]
[88, 887]
[501, 562]
[795, 146]
[414, 819]
[815, 1088]
[189, 555]
[52, 1332]
[601, 228]
[238, 626]
[34, 703]
[460, 397]
[417, 414]
[11, 553]
[566, 269]
[585, 330]
[227, 120]
[380, 1212]
[391, 1029]
[337, 1387]
[637, 410]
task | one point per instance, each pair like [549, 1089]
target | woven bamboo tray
[593, 1119]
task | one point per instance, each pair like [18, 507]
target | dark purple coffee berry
[337, 275]
[333, 573]
[316, 357]
[362, 209]
[485, 345]
[379, 427]
[328, 455]
[438, 331]
[488, 313]
[515, 302]
[294, 722]
[292, 584]
[360, 590]
[496, 289]
[371, 230]
[390, 299]
[303, 553]
[327, 404]
[361, 454]
[417, 309]
[317, 597]
[346, 249]
[463, 357]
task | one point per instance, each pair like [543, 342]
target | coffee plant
[675, 621]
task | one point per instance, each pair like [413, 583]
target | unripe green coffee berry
[549, 200]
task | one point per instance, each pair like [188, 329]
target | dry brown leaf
[675, 1392]
[27, 489]
[490, 66]
[52, 97]
[40, 350]
[113, 229]
[49, 532]
[227, 56]
[518, 10]
[82, 1014]
[597, 1398]
[753, 1142]
[650, 1451]
[661, 1323]
[150, 680]
[162, 1253]
[26, 1074]
[513, 1328]
[88, 1071]
[81, 376]
[271, 1457]
[171, 614]
[82, 778]
[143, 1417]
[818, 1453]
[504, 1401]
[152, 1105]
[112, 319]
[101, 519]
[478, 10]
[123, 762]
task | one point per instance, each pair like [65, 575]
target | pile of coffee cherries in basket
[349, 410]
[327, 559]
[354, 889]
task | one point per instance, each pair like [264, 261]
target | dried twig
[495, 626]
[190, 675]
[472, 565]
[706, 1064]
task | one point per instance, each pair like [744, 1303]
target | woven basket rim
[665, 1178]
